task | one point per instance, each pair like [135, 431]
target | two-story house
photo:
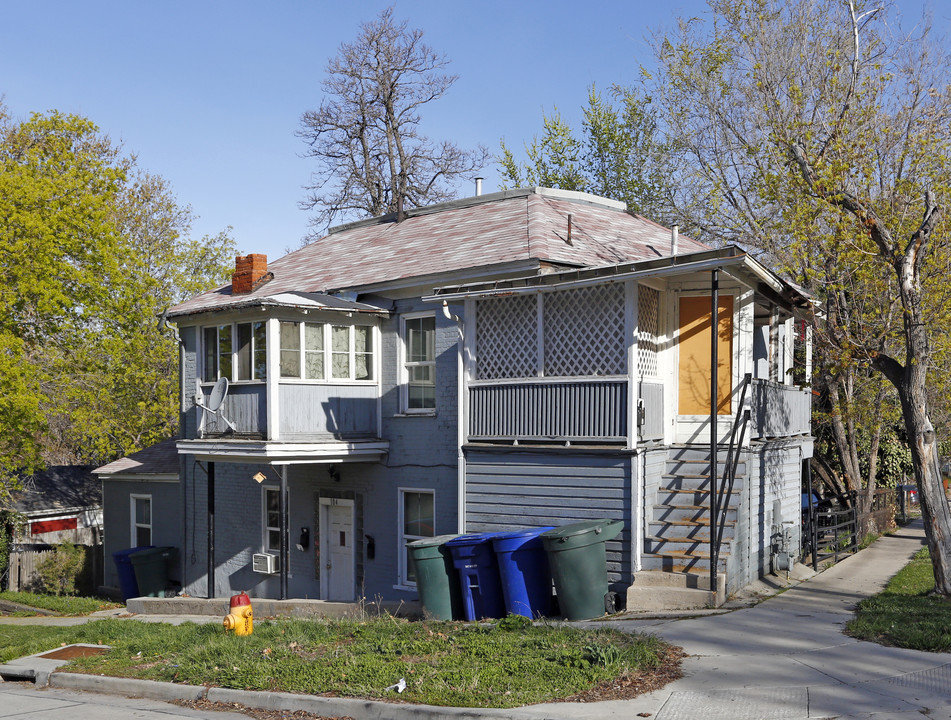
[527, 358]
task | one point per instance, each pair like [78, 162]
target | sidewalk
[787, 658]
[784, 659]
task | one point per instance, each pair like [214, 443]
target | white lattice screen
[648, 315]
[506, 338]
[584, 331]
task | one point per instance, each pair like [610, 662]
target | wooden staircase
[675, 570]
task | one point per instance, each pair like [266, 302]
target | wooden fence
[24, 560]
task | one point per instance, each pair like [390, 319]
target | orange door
[695, 333]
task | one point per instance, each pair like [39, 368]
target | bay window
[236, 351]
[309, 350]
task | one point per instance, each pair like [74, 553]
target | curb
[150, 689]
[290, 702]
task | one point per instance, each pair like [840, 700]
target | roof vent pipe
[674, 236]
[568, 240]
[478, 182]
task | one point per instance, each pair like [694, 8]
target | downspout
[462, 426]
[163, 324]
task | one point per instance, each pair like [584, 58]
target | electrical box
[265, 563]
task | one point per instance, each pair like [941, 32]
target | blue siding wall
[510, 487]
[423, 455]
[117, 521]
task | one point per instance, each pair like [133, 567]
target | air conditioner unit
[265, 563]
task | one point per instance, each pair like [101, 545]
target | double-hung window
[419, 363]
[323, 351]
[417, 521]
[237, 351]
[141, 516]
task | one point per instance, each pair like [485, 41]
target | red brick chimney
[250, 272]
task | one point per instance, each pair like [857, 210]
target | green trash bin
[436, 579]
[579, 566]
[151, 569]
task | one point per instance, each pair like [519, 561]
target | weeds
[444, 663]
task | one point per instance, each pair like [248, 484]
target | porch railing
[550, 410]
[830, 532]
[779, 410]
[720, 497]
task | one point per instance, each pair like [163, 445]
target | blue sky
[209, 93]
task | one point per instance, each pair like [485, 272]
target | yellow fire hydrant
[240, 618]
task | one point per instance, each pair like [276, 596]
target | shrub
[59, 571]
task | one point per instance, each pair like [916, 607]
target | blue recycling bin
[524, 572]
[128, 585]
[478, 572]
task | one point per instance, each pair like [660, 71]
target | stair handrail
[717, 524]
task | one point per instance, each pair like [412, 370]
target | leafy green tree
[58, 181]
[120, 390]
[554, 160]
[620, 154]
[820, 135]
[91, 251]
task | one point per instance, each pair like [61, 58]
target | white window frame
[134, 524]
[265, 528]
[406, 364]
[232, 377]
[402, 538]
[328, 352]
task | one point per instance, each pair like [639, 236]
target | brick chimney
[250, 272]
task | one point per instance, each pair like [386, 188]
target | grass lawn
[59, 604]
[904, 614]
[444, 663]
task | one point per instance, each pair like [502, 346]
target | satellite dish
[218, 394]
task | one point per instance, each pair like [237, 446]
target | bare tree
[365, 136]
[818, 134]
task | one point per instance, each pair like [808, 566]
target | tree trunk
[911, 382]
[934, 504]
[867, 496]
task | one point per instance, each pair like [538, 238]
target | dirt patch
[71, 652]
[639, 683]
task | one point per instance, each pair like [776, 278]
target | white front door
[337, 550]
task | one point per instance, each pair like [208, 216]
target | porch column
[714, 397]
[285, 533]
[211, 529]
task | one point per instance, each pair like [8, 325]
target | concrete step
[666, 591]
[264, 607]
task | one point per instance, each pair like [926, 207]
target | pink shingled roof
[507, 227]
